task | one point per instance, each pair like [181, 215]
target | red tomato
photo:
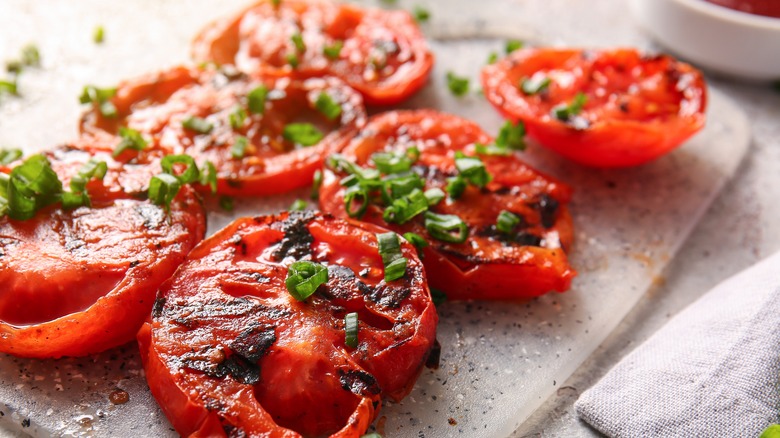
[529, 261]
[230, 351]
[636, 107]
[769, 8]
[157, 105]
[384, 54]
[76, 282]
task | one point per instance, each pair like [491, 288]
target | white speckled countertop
[740, 228]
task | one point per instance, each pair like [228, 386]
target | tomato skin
[157, 104]
[91, 272]
[259, 39]
[304, 381]
[483, 267]
[638, 108]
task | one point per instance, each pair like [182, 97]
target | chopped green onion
[14, 66]
[197, 124]
[71, 200]
[316, 184]
[31, 186]
[9, 87]
[276, 3]
[492, 58]
[456, 185]
[438, 297]
[392, 258]
[226, 203]
[327, 106]
[297, 40]
[507, 221]
[256, 99]
[434, 196]
[238, 150]
[8, 156]
[459, 86]
[100, 97]
[353, 195]
[131, 139]
[92, 169]
[395, 162]
[304, 277]
[351, 330]
[163, 189]
[333, 51]
[565, 112]
[531, 86]
[473, 170]
[298, 205]
[304, 134]
[339, 163]
[98, 35]
[511, 136]
[421, 14]
[417, 240]
[405, 208]
[446, 227]
[396, 186]
[513, 45]
[237, 118]
[190, 173]
[208, 177]
[491, 149]
[293, 60]
[30, 55]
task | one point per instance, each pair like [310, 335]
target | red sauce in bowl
[769, 8]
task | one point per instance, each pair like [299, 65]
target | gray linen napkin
[712, 371]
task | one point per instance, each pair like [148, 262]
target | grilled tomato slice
[604, 108]
[262, 133]
[251, 336]
[80, 280]
[489, 226]
[378, 52]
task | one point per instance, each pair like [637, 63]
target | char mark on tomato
[297, 239]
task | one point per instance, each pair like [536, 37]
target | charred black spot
[434, 356]
[521, 237]
[297, 238]
[152, 215]
[623, 107]
[386, 295]
[187, 323]
[258, 277]
[218, 366]
[359, 382]
[159, 304]
[341, 272]
[364, 272]
[341, 284]
[135, 263]
[527, 239]
[253, 343]
[218, 308]
[547, 207]
[241, 370]
[234, 183]
[234, 431]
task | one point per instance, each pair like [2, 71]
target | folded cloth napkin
[712, 371]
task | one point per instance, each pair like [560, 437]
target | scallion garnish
[434, 196]
[293, 60]
[492, 58]
[491, 149]
[351, 329]
[208, 176]
[304, 277]
[512, 45]
[30, 55]
[226, 203]
[417, 240]
[396, 186]
[456, 185]
[446, 227]
[459, 86]
[355, 201]
[237, 118]
[421, 14]
[531, 86]
[100, 97]
[392, 258]
[163, 188]
[190, 173]
[438, 297]
[405, 208]
[197, 124]
[238, 150]
[507, 221]
[564, 112]
[92, 169]
[297, 40]
[511, 136]
[473, 170]
[98, 35]
[395, 162]
[333, 51]
[9, 87]
[327, 106]
[298, 205]
[30, 187]
[131, 139]
[316, 184]
[256, 99]
[8, 156]
[304, 134]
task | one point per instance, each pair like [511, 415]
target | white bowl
[714, 37]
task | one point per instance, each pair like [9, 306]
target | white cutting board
[500, 361]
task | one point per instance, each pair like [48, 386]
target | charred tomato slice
[229, 348]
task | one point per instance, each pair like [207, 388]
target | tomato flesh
[526, 263]
[157, 105]
[384, 54]
[229, 347]
[637, 108]
[76, 282]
